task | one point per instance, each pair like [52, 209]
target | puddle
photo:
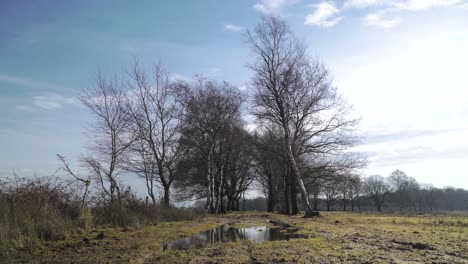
[225, 233]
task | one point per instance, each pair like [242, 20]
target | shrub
[36, 209]
[45, 209]
[134, 211]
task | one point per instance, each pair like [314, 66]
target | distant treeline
[398, 192]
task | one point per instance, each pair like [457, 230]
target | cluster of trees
[397, 192]
[305, 126]
[169, 132]
[190, 136]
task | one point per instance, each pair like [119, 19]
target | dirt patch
[280, 223]
[417, 245]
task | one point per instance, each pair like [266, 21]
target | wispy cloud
[178, 77]
[232, 28]
[378, 19]
[25, 108]
[51, 101]
[272, 6]
[363, 3]
[418, 154]
[384, 137]
[54, 101]
[415, 147]
[18, 80]
[410, 5]
[418, 5]
[213, 71]
[48, 101]
[325, 15]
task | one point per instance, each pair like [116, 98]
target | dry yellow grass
[333, 238]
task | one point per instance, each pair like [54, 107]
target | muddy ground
[331, 238]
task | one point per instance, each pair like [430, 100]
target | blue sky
[401, 63]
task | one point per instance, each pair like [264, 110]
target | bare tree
[295, 92]
[430, 195]
[344, 183]
[109, 133]
[315, 189]
[355, 191]
[331, 191]
[239, 166]
[376, 188]
[269, 162]
[85, 181]
[398, 179]
[154, 112]
[211, 111]
[405, 188]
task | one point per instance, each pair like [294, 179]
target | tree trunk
[229, 203]
[209, 202]
[114, 188]
[305, 198]
[358, 202]
[222, 209]
[293, 192]
[315, 202]
[220, 191]
[85, 195]
[287, 209]
[243, 201]
[166, 198]
[153, 199]
[270, 201]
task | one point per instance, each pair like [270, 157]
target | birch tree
[109, 133]
[295, 92]
[154, 112]
[211, 111]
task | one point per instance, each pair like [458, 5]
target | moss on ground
[332, 238]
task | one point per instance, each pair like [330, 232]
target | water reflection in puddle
[225, 233]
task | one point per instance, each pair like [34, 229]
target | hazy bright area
[250, 131]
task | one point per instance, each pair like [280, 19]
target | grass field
[332, 238]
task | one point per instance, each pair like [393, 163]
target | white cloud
[377, 19]
[463, 6]
[232, 28]
[52, 101]
[213, 71]
[410, 5]
[25, 108]
[272, 6]
[325, 15]
[415, 120]
[178, 77]
[417, 5]
[363, 3]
